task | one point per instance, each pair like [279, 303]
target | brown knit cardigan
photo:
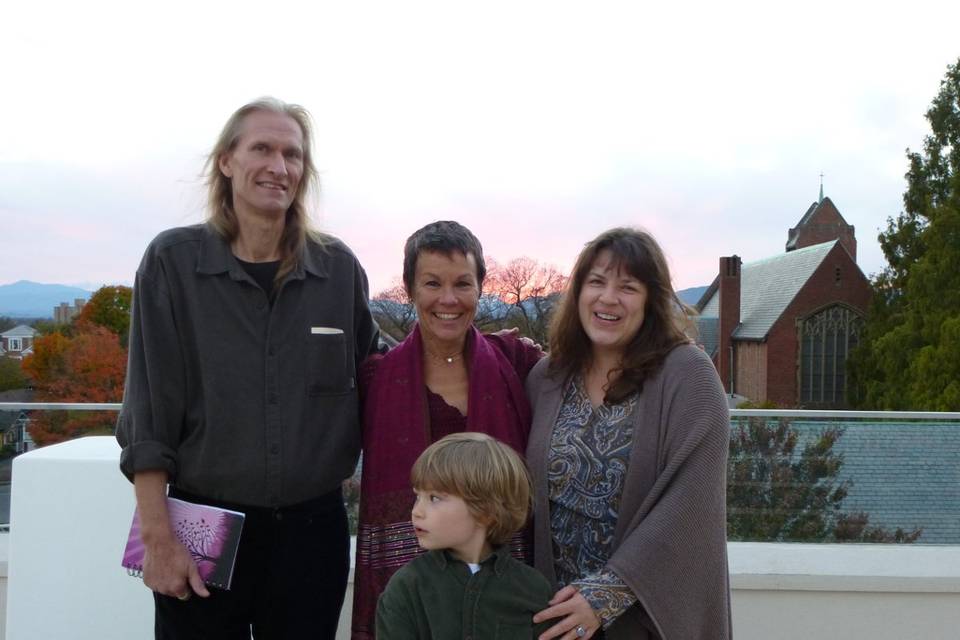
[669, 544]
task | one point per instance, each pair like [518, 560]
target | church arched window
[826, 339]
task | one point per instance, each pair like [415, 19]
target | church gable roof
[824, 206]
[768, 286]
[709, 305]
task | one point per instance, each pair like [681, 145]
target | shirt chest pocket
[329, 370]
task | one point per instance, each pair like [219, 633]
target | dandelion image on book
[204, 540]
[211, 535]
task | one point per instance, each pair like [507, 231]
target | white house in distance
[17, 342]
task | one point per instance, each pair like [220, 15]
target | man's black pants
[288, 582]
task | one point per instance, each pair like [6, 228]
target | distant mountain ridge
[26, 299]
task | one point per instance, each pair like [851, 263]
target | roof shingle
[768, 286]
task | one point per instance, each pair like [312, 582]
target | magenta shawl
[396, 430]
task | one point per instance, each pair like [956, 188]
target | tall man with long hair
[241, 389]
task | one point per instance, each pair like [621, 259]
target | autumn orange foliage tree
[46, 364]
[88, 367]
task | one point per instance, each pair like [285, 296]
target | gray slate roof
[19, 331]
[712, 308]
[904, 474]
[768, 286]
[708, 333]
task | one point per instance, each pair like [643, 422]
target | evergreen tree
[780, 492]
[910, 356]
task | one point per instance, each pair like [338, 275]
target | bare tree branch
[393, 311]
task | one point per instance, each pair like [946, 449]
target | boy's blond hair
[487, 474]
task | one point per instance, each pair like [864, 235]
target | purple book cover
[210, 534]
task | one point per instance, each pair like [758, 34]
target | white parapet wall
[826, 591]
[71, 510]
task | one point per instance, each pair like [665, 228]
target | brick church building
[780, 329]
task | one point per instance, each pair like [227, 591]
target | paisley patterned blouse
[589, 451]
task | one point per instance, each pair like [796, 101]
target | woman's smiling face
[445, 294]
[611, 305]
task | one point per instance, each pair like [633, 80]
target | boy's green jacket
[436, 598]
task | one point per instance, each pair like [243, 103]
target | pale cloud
[537, 124]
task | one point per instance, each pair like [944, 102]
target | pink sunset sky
[536, 124]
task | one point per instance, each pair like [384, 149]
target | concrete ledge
[909, 568]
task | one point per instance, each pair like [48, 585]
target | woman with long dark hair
[628, 452]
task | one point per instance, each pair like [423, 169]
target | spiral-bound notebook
[210, 534]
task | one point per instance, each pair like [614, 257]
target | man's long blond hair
[221, 214]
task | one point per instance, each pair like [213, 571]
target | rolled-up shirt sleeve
[151, 421]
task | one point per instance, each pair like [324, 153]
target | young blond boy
[472, 494]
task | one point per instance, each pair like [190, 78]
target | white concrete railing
[71, 509]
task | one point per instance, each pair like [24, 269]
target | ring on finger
[184, 597]
[581, 631]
